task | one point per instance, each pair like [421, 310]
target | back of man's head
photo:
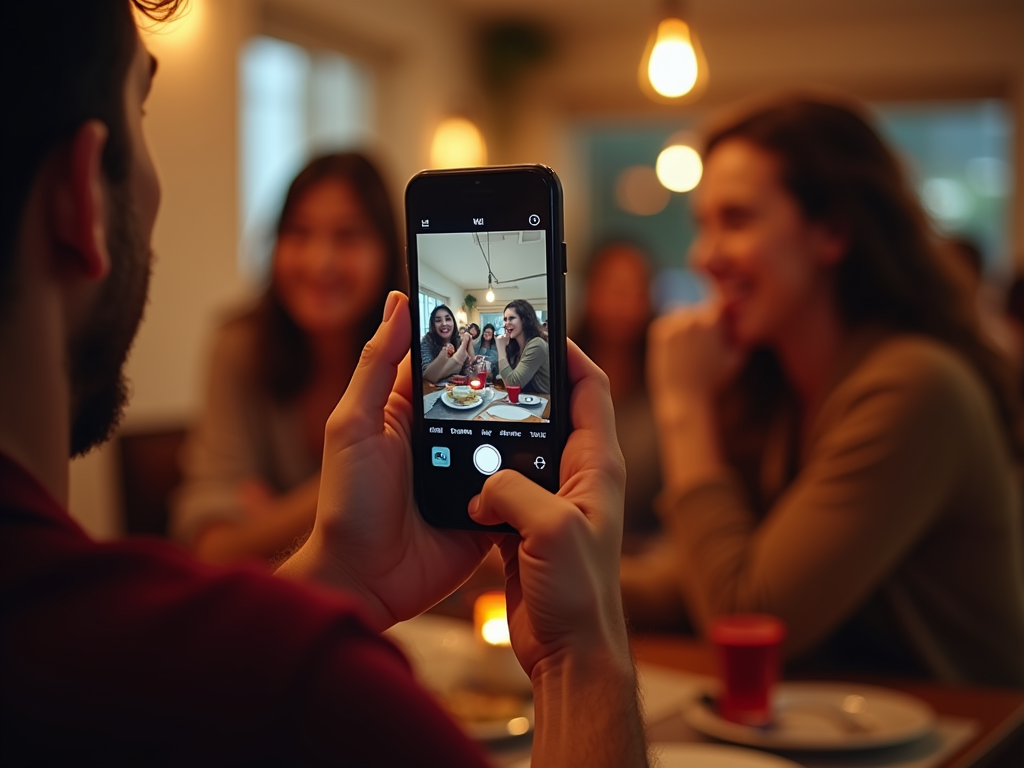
[63, 62]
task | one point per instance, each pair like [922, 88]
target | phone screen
[486, 263]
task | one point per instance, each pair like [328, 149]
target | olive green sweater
[533, 371]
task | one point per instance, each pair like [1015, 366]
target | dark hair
[285, 359]
[474, 325]
[584, 335]
[841, 172]
[531, 329]
[434, 340]
[483, 342]
[62, 67]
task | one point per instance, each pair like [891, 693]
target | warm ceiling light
[673, 64]
[458, 143]
[679, 168]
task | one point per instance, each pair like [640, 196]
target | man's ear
[78, 203]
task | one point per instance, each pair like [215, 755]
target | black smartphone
[486, 256]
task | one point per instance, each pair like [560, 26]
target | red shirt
[130, 652]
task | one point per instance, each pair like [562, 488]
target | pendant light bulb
[673, 65]
[490, 293]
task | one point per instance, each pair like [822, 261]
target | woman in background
[276, 372]
[523, 350]
[444, 351]
[474, 331]
[613, 332]
[837, 439]
[487, 349]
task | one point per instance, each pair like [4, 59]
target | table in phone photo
[497, 395]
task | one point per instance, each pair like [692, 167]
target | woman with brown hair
[523, 350]
[836, 437]
[277, 371]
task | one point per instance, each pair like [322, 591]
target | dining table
[536, 406]
[974, 726]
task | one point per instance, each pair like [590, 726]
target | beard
[97, 354]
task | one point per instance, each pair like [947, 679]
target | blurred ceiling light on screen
[679, 167]
[673, 65]
[640, 192]
[458, 143]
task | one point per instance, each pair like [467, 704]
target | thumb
[374, 376]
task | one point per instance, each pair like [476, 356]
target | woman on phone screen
[523, 350]
[487, 349]
[837, 437]
[276, 371]
[443, 351]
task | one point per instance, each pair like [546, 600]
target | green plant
[469, 302]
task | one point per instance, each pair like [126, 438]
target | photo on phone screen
[487, 277]
[513, 322]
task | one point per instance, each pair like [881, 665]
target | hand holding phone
[495, 233]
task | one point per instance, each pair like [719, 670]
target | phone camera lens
[534, 219]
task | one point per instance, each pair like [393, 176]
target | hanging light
[457, 143]
[673, 64]
[490, 288]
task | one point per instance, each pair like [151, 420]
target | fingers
[374, 376]
[591, 402]
[508, 497]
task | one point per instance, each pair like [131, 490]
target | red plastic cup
[513, 393]
[749, 655]
[481, 376]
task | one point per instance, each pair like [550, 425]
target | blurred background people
[836, 436]
[617, 312]
[487, 349]
[251, 464]
[444, 349]
[523, 349]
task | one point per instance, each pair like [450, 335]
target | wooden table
[999, 713]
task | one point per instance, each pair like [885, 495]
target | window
[294, 103]
[428, 301]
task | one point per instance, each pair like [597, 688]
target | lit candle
[475, 384]
[490, 619]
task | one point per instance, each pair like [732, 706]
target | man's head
[80, 193]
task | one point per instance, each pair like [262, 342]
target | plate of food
[462, 398]
[489, 715]
[823, 717]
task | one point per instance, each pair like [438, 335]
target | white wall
[442, 286]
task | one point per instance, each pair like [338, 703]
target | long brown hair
[285, 359]
[531, 329]
[841, 172]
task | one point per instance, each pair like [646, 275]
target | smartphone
[486, 249]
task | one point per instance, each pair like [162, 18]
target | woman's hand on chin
[694, 357]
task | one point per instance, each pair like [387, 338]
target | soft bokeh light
[490, 620]
[639, 191]
[672, 67]
[679, 168]
[181, 31]
[458, 143]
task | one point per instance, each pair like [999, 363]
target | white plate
[529, 400]
[825, 717]
[485, 397]
[683, 755]
[499, 730]
[509, 412]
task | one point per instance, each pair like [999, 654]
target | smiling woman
[278, 370]
[837, 440]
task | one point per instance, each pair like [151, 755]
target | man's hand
[368, 536]
[562, 571]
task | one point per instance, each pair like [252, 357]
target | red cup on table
[481, 376]
[749, 652]
[513, 393]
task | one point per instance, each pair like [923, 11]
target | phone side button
[565, 261]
